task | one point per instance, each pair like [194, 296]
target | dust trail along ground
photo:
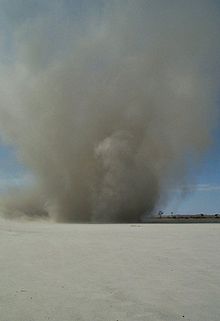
[107, 106]
[109, 272]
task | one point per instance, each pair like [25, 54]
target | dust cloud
[106, 103]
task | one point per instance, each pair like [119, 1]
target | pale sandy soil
[109, 272]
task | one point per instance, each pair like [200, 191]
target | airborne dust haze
[106, 103]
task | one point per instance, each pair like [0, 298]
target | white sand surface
[64, 272]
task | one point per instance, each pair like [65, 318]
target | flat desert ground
[98, 272]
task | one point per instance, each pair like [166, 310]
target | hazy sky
[203, 196]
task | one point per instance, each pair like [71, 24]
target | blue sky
[204, 196]
[12, 173]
